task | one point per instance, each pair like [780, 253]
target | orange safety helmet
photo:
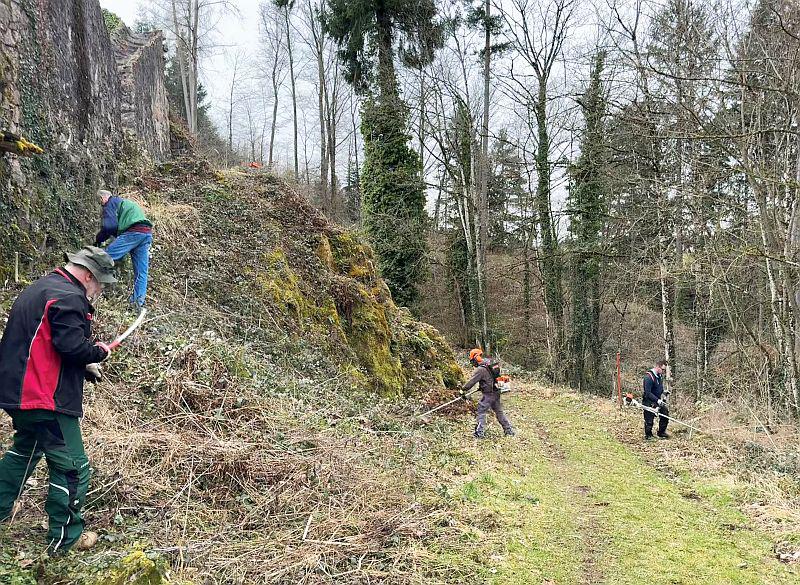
[476, 355]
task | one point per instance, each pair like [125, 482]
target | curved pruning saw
[125, 334]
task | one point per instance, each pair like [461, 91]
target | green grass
[566, 502]
[649, 522]
[518, 527]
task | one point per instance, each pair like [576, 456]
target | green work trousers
[58, 438]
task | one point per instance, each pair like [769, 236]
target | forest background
[558, 182]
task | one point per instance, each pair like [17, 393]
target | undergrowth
[255, 428]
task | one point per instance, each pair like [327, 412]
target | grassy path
[566, 502]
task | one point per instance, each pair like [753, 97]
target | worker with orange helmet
[486, 375]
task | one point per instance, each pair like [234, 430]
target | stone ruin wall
[81, 96]
[140, 65]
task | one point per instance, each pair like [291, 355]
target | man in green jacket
[124, 219]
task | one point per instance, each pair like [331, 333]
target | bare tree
[316, 43]
[482, 217]
[191, 24]
[287, 6]
[537, 32]
[272, 35]
[233, 97]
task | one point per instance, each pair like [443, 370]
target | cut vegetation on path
[566, 502]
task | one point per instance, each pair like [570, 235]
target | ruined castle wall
[60, 87]
[145, 110]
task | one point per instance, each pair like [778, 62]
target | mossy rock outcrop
[294, 278]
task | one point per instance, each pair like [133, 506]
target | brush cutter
[503, 384]
[631, 401]
[125, 334]
[453, 401]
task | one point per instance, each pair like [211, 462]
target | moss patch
[134, 569]
[281, 285]
[370, 337]
[352, 257]
[325, 253]
[421, 346]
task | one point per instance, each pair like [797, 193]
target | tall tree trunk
[467, 226]
[527, 287]
[788, 323]
[274, 124]
[334, 183]
[195, 69]
[580, 321]
[331, 111]
[667, 310]
[483, 192]
[294, 93]
[701, 334]
[593, 334]
[323, 134]
[230, 110]
[550, 260]
[793, 243]
[181, 48]
[387, 80]
[422, 116]
[461, 312]
[353, 116]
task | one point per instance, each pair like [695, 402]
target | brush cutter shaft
[639, 405]
[453, 401]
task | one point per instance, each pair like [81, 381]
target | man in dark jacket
[654, 397]
[125, 220]
[45, 354]
[490, 394]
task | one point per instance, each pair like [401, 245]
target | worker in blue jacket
[654, 397]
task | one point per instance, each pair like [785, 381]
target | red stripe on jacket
[43, 368]
[140, 228]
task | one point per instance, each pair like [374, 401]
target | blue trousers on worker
[136, 244]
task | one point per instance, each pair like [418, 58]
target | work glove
[93, 373]
[661, 402]
[464, 395]
[104, 347]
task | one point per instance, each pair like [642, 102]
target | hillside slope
[280, 275]
[260, 428]
[249, 427]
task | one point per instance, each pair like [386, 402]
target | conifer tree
[587, 212]
[370, 35]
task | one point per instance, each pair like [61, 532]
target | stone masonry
[145, 110]
[66, 85]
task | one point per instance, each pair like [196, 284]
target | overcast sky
[234, 31]
[240, 31]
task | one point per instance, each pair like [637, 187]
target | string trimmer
[453, 401]
[631, 401]
[503, 384]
